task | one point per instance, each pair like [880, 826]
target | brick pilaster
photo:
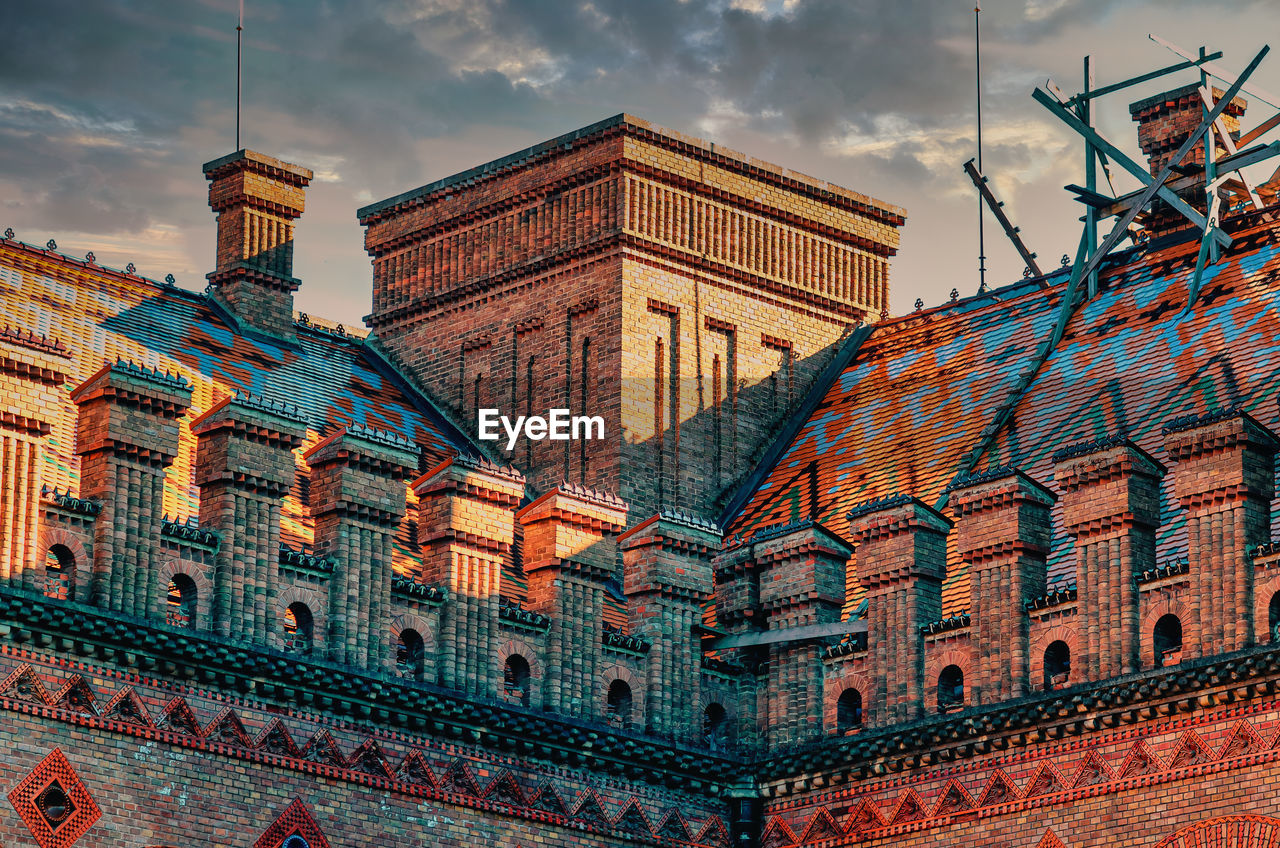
[802, 583]
[570, 552]
[358, 498]
[1223, 475]
[1111, 506]
[901, 558]
[31, 378]
[1002, 534]
[126, 437]
[244, 467]
[466, 525]
[667, 566]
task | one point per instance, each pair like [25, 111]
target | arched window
[1057, 665]
[295, 841]
[849, 712]
[1273, 617]
[181, 610]
[515, 680]
[950, 689]
[715, 726]
[1167, 639]
[618, 708]
[59, 572]
[297, 629]
[410, 655]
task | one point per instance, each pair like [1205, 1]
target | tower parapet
[358, 497]
[31, 376]
[1111, 506]
[466, 526]
[244, 467]
[570, 552]
[667, 567]
[901, 558]
[1002, 534]
[1224, 477]
[127, 436]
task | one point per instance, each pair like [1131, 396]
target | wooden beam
[997, 209]
[1141, 78]
[1240, 160]
[1157, 185]
[1221, 73]
[803, 633]
[1260, 130]
[1221, 127]
[1072, 120]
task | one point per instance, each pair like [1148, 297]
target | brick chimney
[901, 547]
[256, 198]
[1164, 123]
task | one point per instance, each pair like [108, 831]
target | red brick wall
[710, 288]
[224, 779]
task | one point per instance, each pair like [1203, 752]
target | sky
[108, 109]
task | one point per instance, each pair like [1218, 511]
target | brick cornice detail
[861, 207]
[22, 424]
[244, 271]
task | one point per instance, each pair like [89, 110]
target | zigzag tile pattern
[923, 390]
[341, 752]
[1057, 774]
[101, 316]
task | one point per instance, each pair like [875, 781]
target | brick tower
[685, 293]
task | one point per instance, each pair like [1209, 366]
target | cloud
[108, 110]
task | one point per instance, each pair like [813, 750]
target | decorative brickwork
[262, 590]
[598, 223]
[256, 198]
[54, 803]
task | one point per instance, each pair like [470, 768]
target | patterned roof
[101, 315]
[922, 390]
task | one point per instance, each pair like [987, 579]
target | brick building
[830, 578]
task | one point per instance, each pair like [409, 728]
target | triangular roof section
[918, 401]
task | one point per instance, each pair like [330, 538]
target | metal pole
[1210, 157]
[239, 53]
[1090, 175]
[977, 46]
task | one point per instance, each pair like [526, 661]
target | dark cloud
[107, 109]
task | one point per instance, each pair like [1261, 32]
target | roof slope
[102, 315]
[922, 389]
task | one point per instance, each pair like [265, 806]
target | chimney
[901, 559]
[570, 553]
[256, 198]
[1164, 123]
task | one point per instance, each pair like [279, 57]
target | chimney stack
[1164, 123]
[256, 198]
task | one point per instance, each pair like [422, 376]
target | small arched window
[618, 706]
[59, 572]
[1273, 617]
[295, 841]
[715, 726]
[849, 712]
[950, 689]
[1057, 665]
[410, 655]
[1167, 640]
[297, 629]
[181, 609]
[515, 680]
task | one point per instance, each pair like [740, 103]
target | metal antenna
[239, 53]
[977, 46]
